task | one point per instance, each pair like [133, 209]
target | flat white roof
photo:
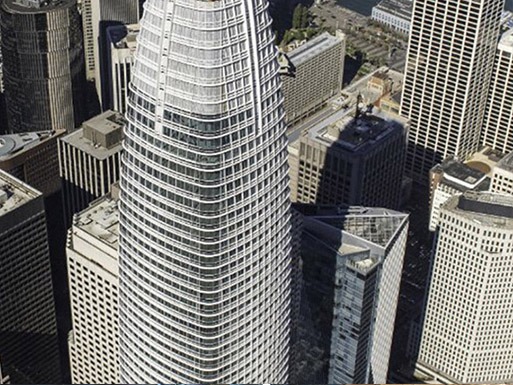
[14, 193]
[101, 220]
[506, 41]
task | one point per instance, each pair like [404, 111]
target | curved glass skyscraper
[204, 211]
[43, 65]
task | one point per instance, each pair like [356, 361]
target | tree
[287, 37]
[310, 32]
[296, 18]
[304, 17]
[300, 17]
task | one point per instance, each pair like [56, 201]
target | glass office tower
[204, 205]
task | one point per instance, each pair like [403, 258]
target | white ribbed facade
[204, 206]
[92, 262]
[497, 129]
[89, 161]
[121, 64]
[94, 12]
[122, 59]
[448, 70]
[502, 176]
[467, 335]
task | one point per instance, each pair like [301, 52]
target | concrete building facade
[33, 158]
[448, 71]
[92, 261]
[122, 48]
[449, 178]
[43, 65]
[89, 161]
[312, 74]
[395, 14]
[502, 176]
[497, 131]
[96, 16]
[28, 332]
[350, 160]
[467, 332]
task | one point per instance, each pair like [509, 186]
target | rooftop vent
[3, 196]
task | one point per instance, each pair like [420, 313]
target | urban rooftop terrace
[14, 193]
[11, 144]
[100, 220]
[491, 209]
[312, 48]
[353, 132]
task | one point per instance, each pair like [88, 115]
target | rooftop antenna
[358, 112]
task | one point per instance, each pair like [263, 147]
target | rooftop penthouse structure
[89, 160]
[450, 178]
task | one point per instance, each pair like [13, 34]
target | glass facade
[43, 68]
[204, 212]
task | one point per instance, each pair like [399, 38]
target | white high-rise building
[204, 206]
[121, 61]
[497, 131]
[92, 260]
[502, 176]
[89, 161]
[467, 334]
[94, 13]
[448, 70]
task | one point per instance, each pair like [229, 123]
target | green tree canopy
[300, 17]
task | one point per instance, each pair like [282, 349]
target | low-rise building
[395, 14]
[373, 87]
[391, 103]
[387, 87]
[33, 158]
